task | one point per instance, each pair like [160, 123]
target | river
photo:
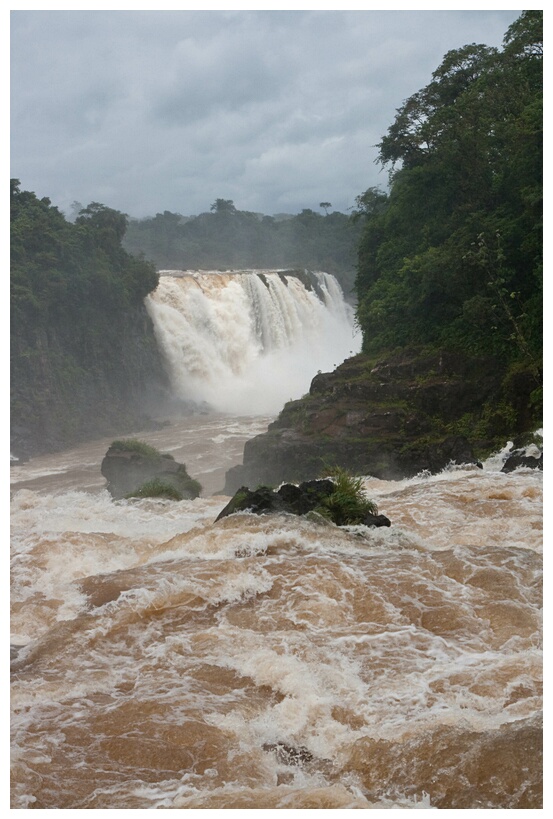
[162, 660]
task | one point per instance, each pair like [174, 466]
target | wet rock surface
[297, 500]
[305, 499]
[391, 418]
[521, 459]
[127, 471]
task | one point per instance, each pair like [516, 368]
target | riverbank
[393, 416]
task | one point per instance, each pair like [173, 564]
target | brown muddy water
[166, 661]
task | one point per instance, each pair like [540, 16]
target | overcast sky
[147, 111]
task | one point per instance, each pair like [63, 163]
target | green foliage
[65, 273]
[536, 401]
[348, 504]
[508, 302]
[136, 446]
[156, 488]
[496, 419]
[227, 238]
[223, 206]
[77, 315]
[452, 256]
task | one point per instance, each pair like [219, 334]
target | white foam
[247, 343]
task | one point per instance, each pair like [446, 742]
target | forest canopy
[82, 350]
[226, 237]
[62, 270]
[452, 254]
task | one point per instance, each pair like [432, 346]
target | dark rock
[20, 449]
[434, 456]
[260, 501]
[127, 470]
[297, 500]
[305, 497]
[289, 754]
[377, 520]
[67, 388]
[518, 459]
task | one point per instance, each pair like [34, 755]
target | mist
[246, 343]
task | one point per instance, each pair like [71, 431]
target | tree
[101, 217]
[223, 206]
[236, 238]
[465, 160]
[431, 115]
[372, 201]
[524, 37]
[325, 206]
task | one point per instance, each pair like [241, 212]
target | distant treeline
[226, 237]
[452, 255]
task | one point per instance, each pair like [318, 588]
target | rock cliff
[390, 417]
[70, 388]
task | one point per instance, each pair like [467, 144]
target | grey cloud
[147, 111]
[208, 79]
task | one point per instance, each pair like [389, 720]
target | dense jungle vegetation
[83, 353]
[59, 267]
[452, 254]
[227, 238]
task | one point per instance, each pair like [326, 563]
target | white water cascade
[245, 342]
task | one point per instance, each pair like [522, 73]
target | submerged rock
[289, 754]
[377, 520]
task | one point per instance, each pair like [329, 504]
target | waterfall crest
[245, 342]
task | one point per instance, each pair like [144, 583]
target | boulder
[129, 465]
[289, 754]
[520, 458]
[306, 499]
[296, 500]
[377, 520]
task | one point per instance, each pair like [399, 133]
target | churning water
[167, 661]
[246, 342]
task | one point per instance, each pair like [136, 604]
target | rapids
[164, 661]
[245, 342]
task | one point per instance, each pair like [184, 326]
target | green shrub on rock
[339, 500]
[133, 468]
[347, 505]
[156, 489]
[138, 447]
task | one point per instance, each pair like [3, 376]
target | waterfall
[245, 342]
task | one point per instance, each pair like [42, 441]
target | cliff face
[390, 418]
[70, 387]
